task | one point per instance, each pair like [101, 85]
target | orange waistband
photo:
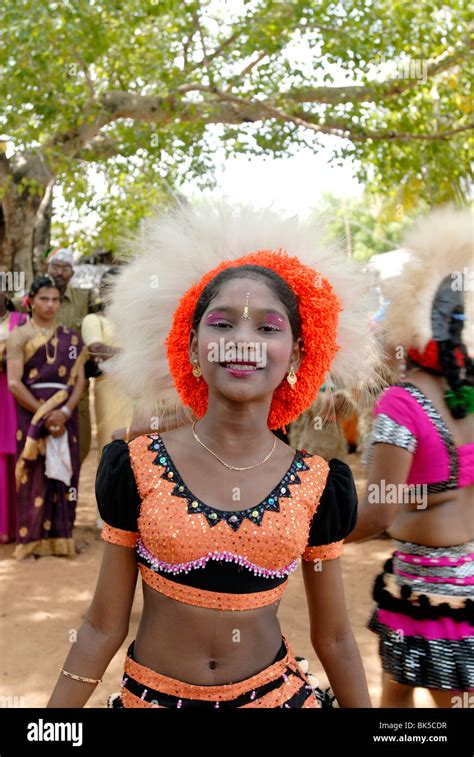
[223, 692]
[211, 599]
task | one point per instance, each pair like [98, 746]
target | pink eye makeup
[271, 319]
[213, 318]
[275, 320]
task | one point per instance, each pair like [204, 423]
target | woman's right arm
[16, 386]
[104, 629]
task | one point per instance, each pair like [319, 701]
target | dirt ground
[42, 603]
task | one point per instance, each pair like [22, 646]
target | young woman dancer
[216, 514]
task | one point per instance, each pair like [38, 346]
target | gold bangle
[80, 678]
[127, 434]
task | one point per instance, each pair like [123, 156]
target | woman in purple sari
[9, 319]
[46, 376]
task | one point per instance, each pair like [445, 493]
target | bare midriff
[205, 646]
[444, 519]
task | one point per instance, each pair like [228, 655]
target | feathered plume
[174, 250]
[440, 243]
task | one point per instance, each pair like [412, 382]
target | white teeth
[241, 367]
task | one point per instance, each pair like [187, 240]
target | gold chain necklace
[232, 467]
[46, 330]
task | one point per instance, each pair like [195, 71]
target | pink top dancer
[422, 443]
[405, 412]
[425, 593]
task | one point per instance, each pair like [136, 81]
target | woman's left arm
[331, 633]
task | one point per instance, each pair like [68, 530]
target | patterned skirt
[281, 684]
[425, 616]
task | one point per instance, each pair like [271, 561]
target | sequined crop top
[406, 417]
[208, 557]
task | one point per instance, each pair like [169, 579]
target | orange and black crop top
[204, 556]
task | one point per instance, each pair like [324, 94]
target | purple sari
[46, 507]
[7, 443]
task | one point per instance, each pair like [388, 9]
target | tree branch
[246, 70]
[375, 90]
[89, 82]
[220, 49]
[223, 107]
[101, 147]
[205, 58]
[343, 130]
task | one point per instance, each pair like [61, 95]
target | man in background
[76, 303]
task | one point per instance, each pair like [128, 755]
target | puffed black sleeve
[336, 514]
[117, 496]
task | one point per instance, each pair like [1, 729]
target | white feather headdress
[440, 243]
[175, 250]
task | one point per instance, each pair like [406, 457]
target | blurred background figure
[46, 376]
[321, 430]
[113, 410]
[9, 319]
[421, 474]
[76, 303]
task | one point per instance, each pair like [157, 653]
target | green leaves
[269, 73]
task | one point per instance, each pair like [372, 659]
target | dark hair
[114, 271]
[9, 305]
[448, 363]
[105, 287]
[248, 271]
[41, 282]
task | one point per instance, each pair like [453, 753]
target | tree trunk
[25, 206]
[42, 232]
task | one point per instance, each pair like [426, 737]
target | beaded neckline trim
[233, 518]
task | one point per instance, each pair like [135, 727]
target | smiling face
[244, 358]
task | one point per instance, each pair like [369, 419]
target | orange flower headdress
[177, 254]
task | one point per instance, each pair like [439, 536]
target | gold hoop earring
[196, 369]
[291, 377]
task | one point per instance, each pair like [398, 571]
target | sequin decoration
[216, 600]
[324, 552]
[280, 684]
[388, 431]
[119, 536]
[175, 537]
[426, 629]
[429, 663]
[155, 564]
[214, 515]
